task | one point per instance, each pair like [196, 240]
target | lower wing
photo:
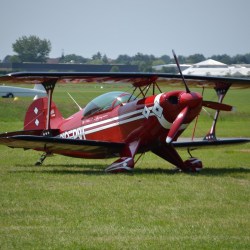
[69, 147]
[204, 143]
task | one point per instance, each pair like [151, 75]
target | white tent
[215, 68]
[210, 63]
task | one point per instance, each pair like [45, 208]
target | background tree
[73, 58]
[105, 59]
[222, 58]
[166, 59]
[181, 59]
[241, 59]
[11, 59]
[158, 62]
[97, 56]
[195, 58]
[32, 49]
[115, 68]
[123, 59]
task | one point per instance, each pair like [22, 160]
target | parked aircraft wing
[11, 91]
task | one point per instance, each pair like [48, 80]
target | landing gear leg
[169, 153]
[126, 162]
[42, 158]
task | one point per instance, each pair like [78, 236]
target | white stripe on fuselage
[113, 119]
[114, 124]
[111, 122]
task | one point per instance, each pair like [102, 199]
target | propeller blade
[217, 106]
[176, 125]
[179, 68]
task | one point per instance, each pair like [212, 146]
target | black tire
[10, 95]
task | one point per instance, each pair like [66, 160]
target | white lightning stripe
[113, 119]
[114, 124]
[164, 123]
[157, 98]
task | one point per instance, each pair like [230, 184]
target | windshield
[107, 101]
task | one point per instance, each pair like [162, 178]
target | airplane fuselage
[148, 120]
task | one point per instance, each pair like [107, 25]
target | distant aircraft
[121, 124]
[11, 92]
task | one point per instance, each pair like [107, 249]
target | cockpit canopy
[107, 101]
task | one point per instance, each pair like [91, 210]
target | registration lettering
[77, 133]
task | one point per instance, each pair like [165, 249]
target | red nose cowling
[181, 108]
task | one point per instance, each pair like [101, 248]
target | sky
[118, 27]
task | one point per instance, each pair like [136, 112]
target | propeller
[177, 124]
[191, 100]
[178, 65]
[217, 106]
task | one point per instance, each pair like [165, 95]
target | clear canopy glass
[107, 101]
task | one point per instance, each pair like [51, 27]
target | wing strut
[221, 91]
[49, 86]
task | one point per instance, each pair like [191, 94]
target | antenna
[74, 101]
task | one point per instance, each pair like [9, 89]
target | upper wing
[77, 148]
[136, 79]
[204, 143]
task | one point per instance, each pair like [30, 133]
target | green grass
[72, 204]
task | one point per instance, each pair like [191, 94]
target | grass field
[72, 204]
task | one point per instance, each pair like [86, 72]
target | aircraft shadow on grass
[98, 169]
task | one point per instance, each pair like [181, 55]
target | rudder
[36, 115]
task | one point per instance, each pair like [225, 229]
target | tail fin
[36, 115]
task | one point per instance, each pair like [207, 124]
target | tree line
[34, 49]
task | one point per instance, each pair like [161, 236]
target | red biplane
[120, 124]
